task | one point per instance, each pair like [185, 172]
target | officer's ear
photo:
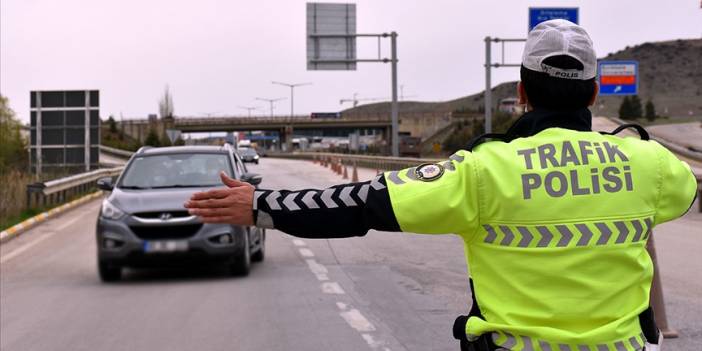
[521, 94]
[594, 95]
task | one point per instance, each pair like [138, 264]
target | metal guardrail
[116, 152]
[678, 149]
[44, 194]
[374, 162]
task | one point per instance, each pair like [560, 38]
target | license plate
[165, 246]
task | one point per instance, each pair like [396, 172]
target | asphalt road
[386, 291]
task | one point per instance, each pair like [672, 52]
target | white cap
[560, 37]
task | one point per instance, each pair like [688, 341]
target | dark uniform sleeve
[341, 211]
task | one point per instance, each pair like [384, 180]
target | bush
[152, 139]
[650, 111]
[13, 150]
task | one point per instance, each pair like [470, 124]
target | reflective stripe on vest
[507, 341]
[568, 235]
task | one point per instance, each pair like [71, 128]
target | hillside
[670, 74]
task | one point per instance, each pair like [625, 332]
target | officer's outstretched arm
[431, 198]
[341, 211]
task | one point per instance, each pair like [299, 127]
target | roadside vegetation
[470, 128]
[14, 176]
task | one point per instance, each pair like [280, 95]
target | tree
[625, 109]
[13, 154]
[165, 141]
[152, 139]
[650, 111]
[113, 125]
[165, 106]
[636, 108]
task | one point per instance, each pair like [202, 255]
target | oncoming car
[248, 154]
[143, 223]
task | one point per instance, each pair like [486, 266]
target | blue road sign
[541, 14]
[618, 77]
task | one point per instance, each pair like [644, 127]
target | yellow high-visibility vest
[555, 229]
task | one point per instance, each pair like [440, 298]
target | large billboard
[65, 129]
[331, 40]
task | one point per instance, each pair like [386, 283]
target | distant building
[510, 105]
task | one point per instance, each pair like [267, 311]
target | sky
[219, 55]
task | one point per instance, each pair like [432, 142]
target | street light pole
[249, 108]
[394, 105]
[270, 101]
[292, 87]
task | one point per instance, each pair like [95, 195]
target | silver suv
[143, 223]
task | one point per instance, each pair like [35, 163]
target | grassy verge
[24, 215]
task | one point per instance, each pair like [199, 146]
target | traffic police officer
[554, 217]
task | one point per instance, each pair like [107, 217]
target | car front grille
[166, 231]
[158, 214]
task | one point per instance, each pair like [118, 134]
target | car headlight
[255, 157]
[110, 211]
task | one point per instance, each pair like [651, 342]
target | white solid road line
[41, 238]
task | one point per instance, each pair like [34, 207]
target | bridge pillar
[286, 137]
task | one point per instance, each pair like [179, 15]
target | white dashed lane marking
[299, 242]
[318, 270]
[353, 317]
[306, 252]
[332, 288]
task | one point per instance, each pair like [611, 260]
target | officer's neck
[539, 119]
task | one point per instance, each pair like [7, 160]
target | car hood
[134, 201]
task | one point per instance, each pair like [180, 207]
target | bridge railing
[278, 120]
[54, 192]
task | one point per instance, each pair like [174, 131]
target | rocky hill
[670, 74]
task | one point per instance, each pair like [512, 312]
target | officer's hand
[233, 205]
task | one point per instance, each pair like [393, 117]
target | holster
[483, 343]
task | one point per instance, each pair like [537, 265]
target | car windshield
[176, 171]
[247, 152]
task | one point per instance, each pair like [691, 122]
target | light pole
[270, 101]
[292, 87]
[249, 108]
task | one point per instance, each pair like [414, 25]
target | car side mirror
[105, 184]
[252, 178]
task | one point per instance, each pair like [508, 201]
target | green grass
[24, 215]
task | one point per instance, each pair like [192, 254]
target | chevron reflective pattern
[449, 166]
[507, 341]
[349, 195]
[568, 235]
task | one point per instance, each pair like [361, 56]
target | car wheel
[241, 265]
[260, 255]
[108, 272]
[256, 161]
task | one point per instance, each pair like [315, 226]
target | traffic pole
[346, 172]
[657, 301]
[354, 175]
